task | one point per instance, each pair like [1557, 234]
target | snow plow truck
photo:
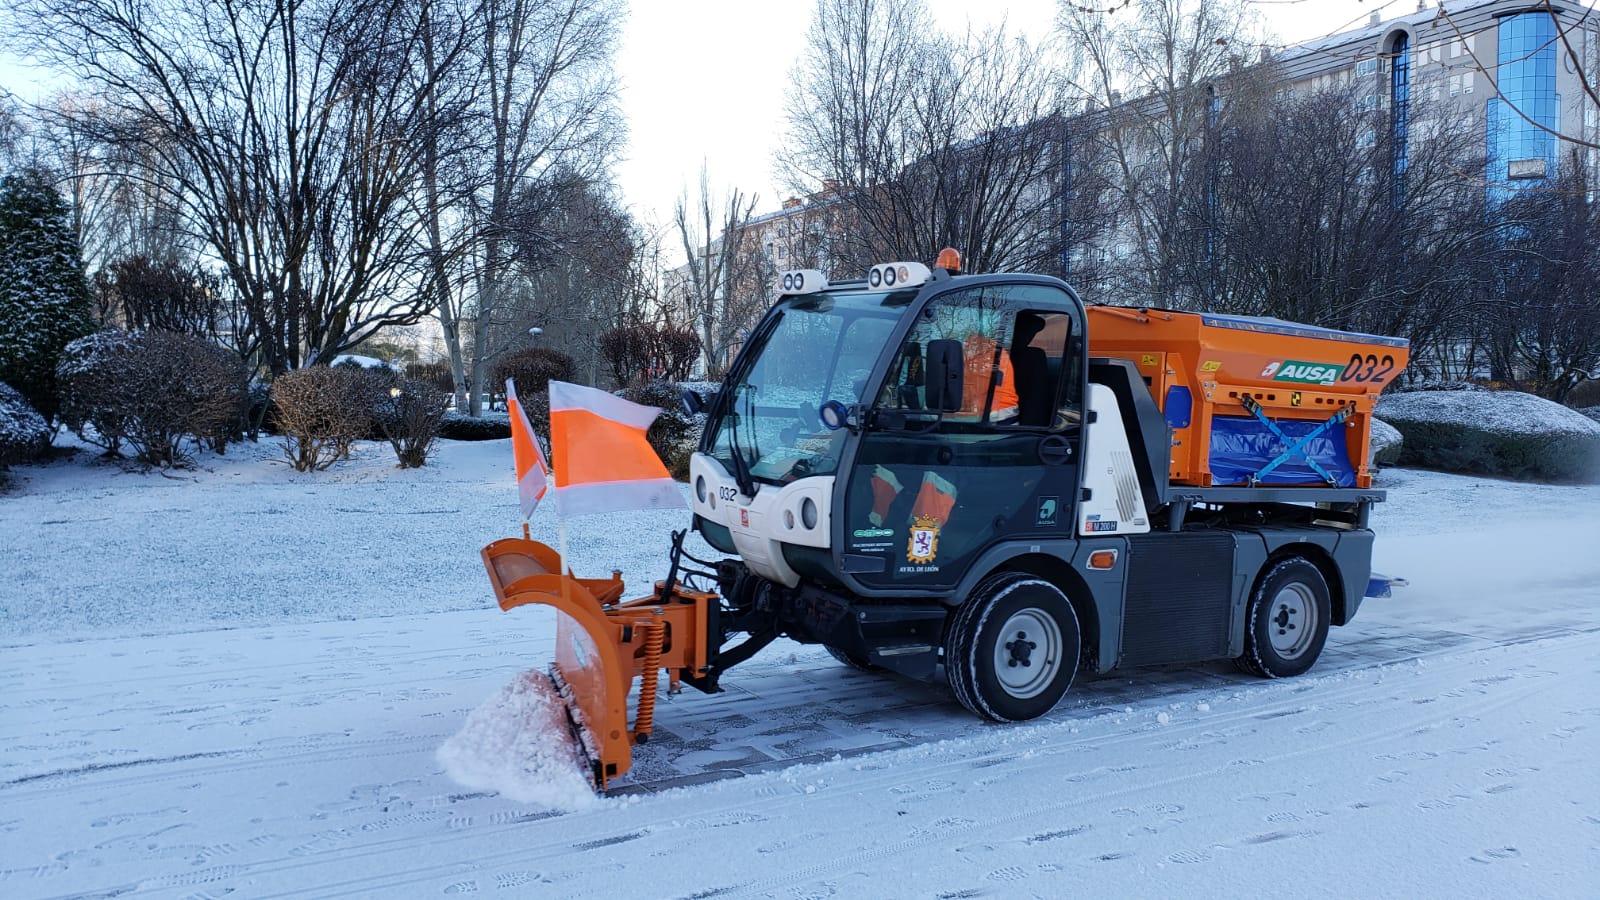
[982, 479]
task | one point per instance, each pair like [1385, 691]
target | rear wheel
[1288, 620]
[1011, 650]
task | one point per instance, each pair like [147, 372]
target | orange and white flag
[602, 461]
[533, 474]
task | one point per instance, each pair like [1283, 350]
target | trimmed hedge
[1592, 412]
[458, 427]
[151, 390]
[1494, 433]
[321, 411]
[533, 371]
[408, 414]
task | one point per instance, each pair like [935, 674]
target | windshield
[822, 347]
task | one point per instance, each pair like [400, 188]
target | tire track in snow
[585, 835]
[957, 827]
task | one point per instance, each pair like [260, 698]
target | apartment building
[1529, 77]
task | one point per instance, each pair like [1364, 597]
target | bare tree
[1296, 208]
[448, 95]
[287, 131]
[931, 140]
[1543, 328]
[1151, 70]
[573, 246]
[546, 108]
[713, 294]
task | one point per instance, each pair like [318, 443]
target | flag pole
[561, 553]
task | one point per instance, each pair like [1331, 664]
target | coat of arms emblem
[924, 544]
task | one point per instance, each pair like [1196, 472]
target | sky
[704, 82]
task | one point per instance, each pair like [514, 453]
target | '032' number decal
[1362, 369]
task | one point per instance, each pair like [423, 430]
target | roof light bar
[802, 281]
[897, 275]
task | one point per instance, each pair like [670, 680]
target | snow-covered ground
[235, 680]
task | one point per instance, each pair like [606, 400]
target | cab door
[929, 490]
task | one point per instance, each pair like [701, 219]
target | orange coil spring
[645, 719]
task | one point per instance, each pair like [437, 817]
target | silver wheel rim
[1027, 654]
[1292, 620]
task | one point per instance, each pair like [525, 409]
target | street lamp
[534, 333]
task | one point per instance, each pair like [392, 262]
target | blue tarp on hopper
[1240, 447]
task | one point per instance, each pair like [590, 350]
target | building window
[1366, 67]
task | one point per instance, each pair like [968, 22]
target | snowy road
[1443, 746]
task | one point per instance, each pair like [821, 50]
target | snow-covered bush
[92, 376]
[1592, 412]
[409, 415]
[1384, 449]
[24, 434]
[459, 427]
[321, 411]
[151, 390]
[44, 299]
[1494, 433]
[1407, 387]
[673, 434]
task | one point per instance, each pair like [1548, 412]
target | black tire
[1288, 620]
[1031, 626]
[852, 660]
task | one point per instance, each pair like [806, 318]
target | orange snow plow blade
[602, 645]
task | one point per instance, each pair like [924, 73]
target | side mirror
[946, 365]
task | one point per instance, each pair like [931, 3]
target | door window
[930, 490]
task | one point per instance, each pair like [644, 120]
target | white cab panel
[1115, 504]
[796, 513]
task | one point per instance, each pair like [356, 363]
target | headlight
[808, 513]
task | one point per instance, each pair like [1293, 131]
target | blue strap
[1296, 448]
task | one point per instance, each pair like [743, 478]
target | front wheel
[1288, 619]
[1011, 651]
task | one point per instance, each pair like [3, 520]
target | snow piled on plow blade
[520, 744]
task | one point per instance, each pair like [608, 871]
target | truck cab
[935, 475]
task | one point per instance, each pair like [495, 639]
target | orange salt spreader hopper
[1207, 371]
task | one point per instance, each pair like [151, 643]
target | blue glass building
[1521, 152]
